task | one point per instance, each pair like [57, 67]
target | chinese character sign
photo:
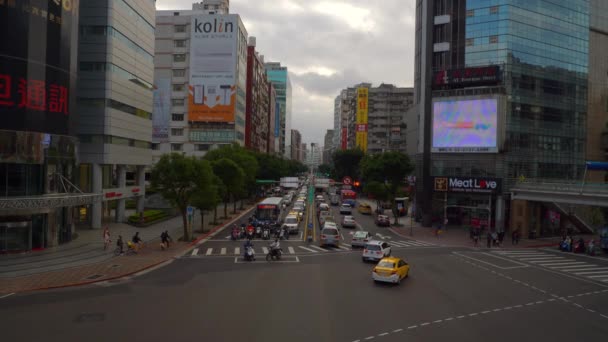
[361, 122]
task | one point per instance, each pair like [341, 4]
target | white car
[360, 239]
[349, 222]
[291, 222]
[329, 224]
[375, 251]
[346, 209]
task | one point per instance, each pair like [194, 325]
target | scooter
[258, 232]
[282, 234]
[249, 253]
[274, 253]
[242, 232]
[266, 233]
[235, 234]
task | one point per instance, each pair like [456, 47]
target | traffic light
[357, 184]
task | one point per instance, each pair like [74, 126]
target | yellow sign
[361, 122]
[441, 184]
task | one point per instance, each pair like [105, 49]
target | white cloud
[357, 18]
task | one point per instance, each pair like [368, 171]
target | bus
[349, 197]
[270, 210]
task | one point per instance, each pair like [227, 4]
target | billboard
[38, 48]
[361, 120]
[161, 110]
[213, 60]
[467, 77]
[465, 126]
[479, 185]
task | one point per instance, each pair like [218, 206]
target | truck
[290, 182]
[321, 184]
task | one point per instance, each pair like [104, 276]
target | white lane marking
[399, 244]
[486, 312]
[420, 243]
[7, 295]
[438, 321]
[194, 251]
[496, 310]
[531, 303]
[209, 251]
[473, 314]
[291, 250]
[369, 337]
[540, 259]
[342, 235]
[449, 319]
[598, 276]
[588, 271]
[344, 247]
[319, 248]
[383, 334]
[237, 250]
[425, 323]
[380, 235]
[398, 330]
[577, 305]
[223, 251]
[308, 249]
[604, 316]
[570, 263]
[265, 250]
[460, 317]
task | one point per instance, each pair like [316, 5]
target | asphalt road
[455, 294]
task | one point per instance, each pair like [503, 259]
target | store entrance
[15, 236]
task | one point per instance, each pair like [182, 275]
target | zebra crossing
[559, 262]
[300, 249]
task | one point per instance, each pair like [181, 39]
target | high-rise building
[273, 127]
[38, 144]
[304, 152]
[328, 141]
[279, 76]
[200, 78]
[115, 92]
[501, 91]
[343, 105]
[258, 105]
[296, 143]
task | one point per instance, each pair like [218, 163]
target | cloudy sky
[327, 46]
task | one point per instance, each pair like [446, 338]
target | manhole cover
[90, 317]
[94, 276]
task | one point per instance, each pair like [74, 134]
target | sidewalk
[459, 237]
[84, 261]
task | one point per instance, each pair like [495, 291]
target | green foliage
[209, 185]
[378, 190]
[244, 158]
[272, 167]
[346, 163]
[149, 216]
[389, 170]
[232, 177]
[178, 178]
[325, 169]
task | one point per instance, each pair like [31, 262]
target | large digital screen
[465, 126]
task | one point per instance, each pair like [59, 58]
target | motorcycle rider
[275, 247]
[246, 246]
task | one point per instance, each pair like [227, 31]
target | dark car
[382, 221]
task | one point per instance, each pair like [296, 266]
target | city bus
[270, 210]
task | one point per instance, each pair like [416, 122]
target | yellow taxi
[390, 270]
[296, 214]
[365, 208]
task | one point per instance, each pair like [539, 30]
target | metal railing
[563, 186]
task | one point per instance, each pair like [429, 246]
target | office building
[304, 153]
[258, 105]
[296, 143]
[200, 75]
[328, 141]
[279, 76]
[343, 106]
[501, 91]
[115, 90]
[386, 127]
[38, 144]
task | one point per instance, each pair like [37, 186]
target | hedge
[149, 216]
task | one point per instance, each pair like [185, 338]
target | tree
[324, 169]
[389, 169]
[206, 196]
[233, 178]
[378, 191]
[346, 163]
[244, 158]
[175, 177]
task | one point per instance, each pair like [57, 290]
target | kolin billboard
[212, 88]
[38, 47]
[361, 122]
[161, 111]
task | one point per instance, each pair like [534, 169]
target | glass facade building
[279, 77]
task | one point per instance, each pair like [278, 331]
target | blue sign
[597, 166]
[190, 210]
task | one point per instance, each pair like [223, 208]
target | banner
[361, 122]
[213, 60]
[161, 110]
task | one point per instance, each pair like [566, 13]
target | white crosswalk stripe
[291, 250]
[317, 247]
[209, 251]
[308, 249]
[345, 247]
[560, 263]
[265, 250]
[237, 251]
[195, 251]
[223, 251]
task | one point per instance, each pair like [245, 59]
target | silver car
[360, 239]
[330, 237]
[349, 222]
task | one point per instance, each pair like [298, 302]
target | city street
[456, 293]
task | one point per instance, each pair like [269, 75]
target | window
[494, 10]
[470, 41]
[179, 57]
[181, 43]
[177, 117]
[493, 39]
[202, 147]
[177, 102]
[178, 132]
[179, 72]
[156, 147]
[470, 13]
[180, 28]
[178, 87]
[177, 147]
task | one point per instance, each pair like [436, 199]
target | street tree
[378, 191]
[233, 178]
[390, 170]
[207, 194]
[175, 177]
[244, 158]
[325, 169]
[346, 163]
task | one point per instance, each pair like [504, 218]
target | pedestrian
[514, 237]
[106, 238]
[476, 236]
[165, 239]
[501, 236]
[137, 241]
[120, 244]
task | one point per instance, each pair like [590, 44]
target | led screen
[465, 126]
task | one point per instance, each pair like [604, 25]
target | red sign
[267, 206]
[347, 180]
[135, 190]
[361, 128]
[33, 94]
[110, 194]
[467, 77]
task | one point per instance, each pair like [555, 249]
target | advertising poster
[161, 110]
[465, 126]
[38, 65]
[212, 86]
[361, 121]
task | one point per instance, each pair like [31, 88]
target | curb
[219, 228]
